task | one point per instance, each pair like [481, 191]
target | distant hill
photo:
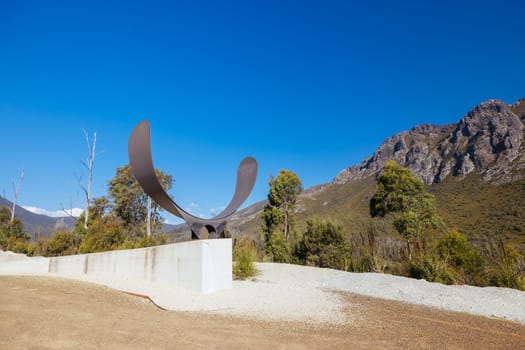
[475, 168]
[36, 224]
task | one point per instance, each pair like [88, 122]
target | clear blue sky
[310, 86]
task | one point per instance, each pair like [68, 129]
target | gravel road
[292, 292]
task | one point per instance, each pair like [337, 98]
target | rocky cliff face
[488, 140]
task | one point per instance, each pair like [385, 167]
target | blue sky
[310, 86]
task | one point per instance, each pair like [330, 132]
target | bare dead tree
[16, 190]
[89, 166]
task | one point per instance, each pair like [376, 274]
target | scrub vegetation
[117, 221]
[393, 224]
[403, 232]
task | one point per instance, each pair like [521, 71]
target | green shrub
[102, 235]
[366, 262]
[128, 244]
[509, 269]
[323, 244]
[24, 247]
[278, 249]
[62, 243]
[145, 241]
[430, 268]
[244, 255]
[12, 236]
[467, 263]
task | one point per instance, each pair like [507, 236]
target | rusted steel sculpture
[139, 149]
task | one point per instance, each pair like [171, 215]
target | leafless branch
[70, 212]
[16, 190]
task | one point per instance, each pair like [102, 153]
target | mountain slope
[475, 168]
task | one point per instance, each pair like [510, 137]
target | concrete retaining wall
[19, 264]
[204, 266]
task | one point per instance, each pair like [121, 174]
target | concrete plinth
[203, 266]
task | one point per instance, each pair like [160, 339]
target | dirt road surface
[52, 313]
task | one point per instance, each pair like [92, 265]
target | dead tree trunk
[16, 190]
[89, 167]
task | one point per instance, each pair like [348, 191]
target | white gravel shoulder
[301, 293]
[308, 294]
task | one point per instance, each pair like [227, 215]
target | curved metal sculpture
[139, 149]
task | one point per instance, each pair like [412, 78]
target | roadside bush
[39, 246]
[509, 268]
[244, 255]
[323, 244]
[278, 249]
[368, 252]
[430, 268]
[24, 247]
[145, 241]
[62, 243]
[365, 262]
[456, 252]
[102, 235]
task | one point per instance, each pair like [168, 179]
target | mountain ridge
[483, 198]
[489, 139]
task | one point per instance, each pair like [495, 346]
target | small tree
[284, 190]
[324, 245]
[395, 187]
[277, 219]
[399, 192]
[130, 203]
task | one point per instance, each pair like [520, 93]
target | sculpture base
[203, 266]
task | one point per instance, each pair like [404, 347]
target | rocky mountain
[475, 168]
[488, 140]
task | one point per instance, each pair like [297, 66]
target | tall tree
[130, 203]
[284, 190]
[402, 194]
[395, 187]
[89, 166]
